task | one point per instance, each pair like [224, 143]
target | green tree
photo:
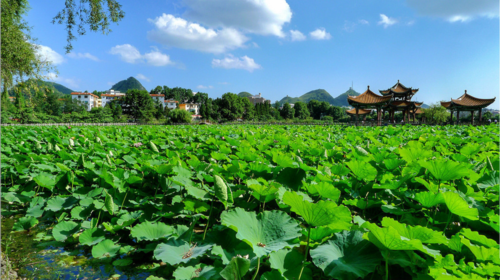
[436, 114]
[287, 112]
[230, 106]
[180, 116]
[138, 104]
[248, 109]
[301, 111]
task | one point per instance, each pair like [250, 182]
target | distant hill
[424, 106]
[341, 100]
[58, 88]
[319, 94]
[244, 94]
[125, 85]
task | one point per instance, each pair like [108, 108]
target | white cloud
[47, 54]
[320, 34]
[264, 17]
[177, 32]
[456, 10]
[297, 35]
[364, 21]
[156, 58]
[130, 54]
[204, 87]
[411, 22]
[386, 21]
[73, 84]
[142, 77]
[83, 55]
[127, 52]
[349, 26]
[231, 62]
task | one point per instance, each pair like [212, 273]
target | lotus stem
[307, 252]
[123, 202]
[447, 223]
[208, 220]
[387, 267]
[257, 271]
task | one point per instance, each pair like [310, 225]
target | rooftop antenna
[352, 84]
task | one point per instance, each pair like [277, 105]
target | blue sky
[281, 48]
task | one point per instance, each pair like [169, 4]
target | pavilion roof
[467, 100]
[368, 98]
[398, 89]
[360, 111]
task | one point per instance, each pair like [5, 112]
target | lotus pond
[248, 202]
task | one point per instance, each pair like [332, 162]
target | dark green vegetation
[52, 86]
[321, 95]
[125, 85]
[244, 94]
[245, 202]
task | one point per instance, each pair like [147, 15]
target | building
[257, 99]
[158, 98]
[191, 107]
[170, 104]
[89, 99]
[12, 98]
[469, 103]
[109, 96]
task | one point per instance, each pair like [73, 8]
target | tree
[301, 111]
[487, 116]
[436, 113]
[138, 104]
[95, 13]
[287, 112]
[248, 109]
[231, 106]
[180, 116]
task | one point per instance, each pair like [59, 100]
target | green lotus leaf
[122, 262]
[458, 206]
[327, 190]
[414, 152]
[91, 236]
[477, 238]
[45, 180]
[57, 203]
[81, 213]
[228, 246]
[445, 170]
[470, 149]
[176, 251]
[482, 253]
[289, 263]
[109, 204]
[105, 249]
[221, 190]
[198, 272]
[363, 170]
[24, 223]
[65, 229]
[489, 180]
[291, 177]
[151, 231]
[429, 199]
[272, 275]
[267, 232]
[392, 163]
[389, 239]
[236, 269]
[283, 160]
[425, 235]
[347, 256]
[35, 211]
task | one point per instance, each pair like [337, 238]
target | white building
[191, 107]
[170, 104]
[159, 98]
[90, 100]
[109, 96]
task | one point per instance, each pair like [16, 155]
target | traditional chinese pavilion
[367, 100]
[361, 112]
[401, 101]
[466, 103]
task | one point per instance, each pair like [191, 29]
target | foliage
[180, 116]
[138, 104]
[436, 114]
[269, 202]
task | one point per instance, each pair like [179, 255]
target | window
[86, 96]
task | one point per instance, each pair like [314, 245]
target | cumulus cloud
[264, 17]
[69, 82]
[204, 87]
[456, 10]
[320, 34]
[83, 55]
[127, 53]
[142, 77]
[47, 54]
[297, 35]
[177, 32]
[231, 62]
[386, 21]
[130, 54]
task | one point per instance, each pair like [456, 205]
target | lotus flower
[137, 144]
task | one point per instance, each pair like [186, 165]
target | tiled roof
[160, 95]
[419, 111]
[170, 101]
[398, 88]
[469, 100]
[84, 93]
[368, 97]
[122, 94]
[445, 104]
[360, 111]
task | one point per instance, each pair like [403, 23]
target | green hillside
[125, 85]
[425, 106]
[319, 94]
[58, 88]
[341, 100]
[244, 94]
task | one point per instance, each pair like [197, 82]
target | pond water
[36, 256]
